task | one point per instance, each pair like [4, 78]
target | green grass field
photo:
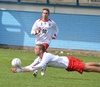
[54, 77]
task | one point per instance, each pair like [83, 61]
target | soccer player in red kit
[68, 63]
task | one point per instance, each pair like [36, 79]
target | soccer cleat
[35, 73]
[42, 72]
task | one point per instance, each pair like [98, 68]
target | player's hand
[39, 29]
[53, 37]
[14, 70]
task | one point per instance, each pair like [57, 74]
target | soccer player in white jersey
[42, 28]
[68, 63]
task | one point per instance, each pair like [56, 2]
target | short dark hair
[41, 47]
[46, 10]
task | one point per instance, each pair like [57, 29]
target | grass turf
[54, 77]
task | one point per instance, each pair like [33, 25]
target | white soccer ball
[16, 62]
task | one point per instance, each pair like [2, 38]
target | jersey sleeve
[36, 61]
[34, 28]
[56, 30]
[43, 63]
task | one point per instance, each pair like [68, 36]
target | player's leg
[43, 70]
[93, 64]
[91, 68]
[35, 73]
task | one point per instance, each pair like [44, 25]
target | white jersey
[49, 59]
[45, 34]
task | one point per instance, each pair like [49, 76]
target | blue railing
[69, 3]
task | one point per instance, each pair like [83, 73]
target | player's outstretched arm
[15, 70]
[26, 69]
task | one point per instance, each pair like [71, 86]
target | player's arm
[36, 61]
[43, 63]
[35, 29]
[56, 30]
[26, 68]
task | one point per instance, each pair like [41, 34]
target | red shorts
[75, 65]
[45, 45]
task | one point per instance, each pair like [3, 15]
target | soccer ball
[16, 62]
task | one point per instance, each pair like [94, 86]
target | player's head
[39, 49]
[45, 13]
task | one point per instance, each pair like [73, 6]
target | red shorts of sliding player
[75, 65]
